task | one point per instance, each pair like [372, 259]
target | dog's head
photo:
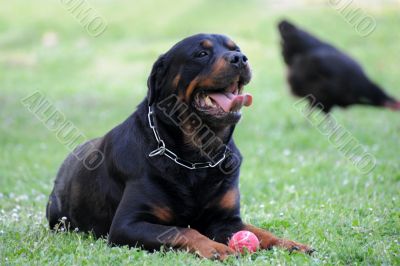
[208, 73]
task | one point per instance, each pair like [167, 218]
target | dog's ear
[156, 79]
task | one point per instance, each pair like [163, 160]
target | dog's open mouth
[221, 102]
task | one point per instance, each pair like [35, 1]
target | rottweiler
[168, 175]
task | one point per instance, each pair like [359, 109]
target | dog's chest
[196, 201]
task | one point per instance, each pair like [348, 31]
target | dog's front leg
[153, 236]
[128, 228]
[268, 240]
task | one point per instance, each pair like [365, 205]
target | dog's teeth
[208, 101]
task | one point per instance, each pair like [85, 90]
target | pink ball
[244, 240]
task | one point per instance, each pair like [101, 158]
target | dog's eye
[202, 54]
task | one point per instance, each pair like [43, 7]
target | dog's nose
[237, 59]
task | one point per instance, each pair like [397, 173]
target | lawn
[294, 180]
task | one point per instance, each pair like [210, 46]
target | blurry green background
[294, 181]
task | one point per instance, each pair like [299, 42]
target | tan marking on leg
[164, 214]
[230, 199]
[192, 241]
[268, 240]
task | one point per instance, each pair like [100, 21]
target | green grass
[294, 181]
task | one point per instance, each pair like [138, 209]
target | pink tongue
[231, 102]
[395, 106]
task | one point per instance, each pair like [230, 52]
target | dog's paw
[295, 247]
[213, 250]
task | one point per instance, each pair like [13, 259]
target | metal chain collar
[162, 150]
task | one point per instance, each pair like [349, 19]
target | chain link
[162, 150]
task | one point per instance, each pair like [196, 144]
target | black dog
[169, 173]
[325, 75]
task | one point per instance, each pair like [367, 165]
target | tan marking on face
[197, 82]
[176, 80]
[190, 89]
[218, 66]
[230, 44]
[207, 44]
[162, 213]
[206, 82]
[181, 95]
[229, 200]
